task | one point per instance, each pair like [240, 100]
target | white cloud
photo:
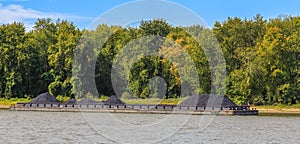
[12, 13]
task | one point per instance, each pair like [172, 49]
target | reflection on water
[65, 127]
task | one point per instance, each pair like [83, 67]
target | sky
[84, 12]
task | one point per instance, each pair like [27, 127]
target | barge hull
[138, 111]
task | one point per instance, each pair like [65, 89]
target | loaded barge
[193, 105]
[151, 109]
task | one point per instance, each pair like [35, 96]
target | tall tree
[60, 57]
[12, 57]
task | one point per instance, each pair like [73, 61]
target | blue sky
[83, 12]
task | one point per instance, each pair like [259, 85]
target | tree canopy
[262, 59]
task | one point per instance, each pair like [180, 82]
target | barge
[143, 109]
[115, 105]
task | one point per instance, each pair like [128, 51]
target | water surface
[68, 127]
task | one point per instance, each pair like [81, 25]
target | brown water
[65, 127]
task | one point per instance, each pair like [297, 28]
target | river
[69, 127]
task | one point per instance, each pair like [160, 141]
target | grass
[280, 107]
[5, 101]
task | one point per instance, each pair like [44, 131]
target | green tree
[12, 57]
[60, 58]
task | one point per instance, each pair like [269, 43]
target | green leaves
[60, 57]
[262, 59]
[158, 27]
[277, 57]
[13, 55]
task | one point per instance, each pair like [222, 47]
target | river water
[69, 127]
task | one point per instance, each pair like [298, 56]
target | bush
[62, 98]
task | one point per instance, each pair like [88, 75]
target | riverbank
[4, 106]
[263, 110]
[6, 103]
[278, 111]
[282, 110]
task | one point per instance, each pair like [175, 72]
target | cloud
[17, 13]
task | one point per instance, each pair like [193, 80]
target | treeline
[262, 60]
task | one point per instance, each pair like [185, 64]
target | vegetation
[8, 102]
[155, 101]
[262, 60]
[280, 107]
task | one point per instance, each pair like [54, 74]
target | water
[65, 127]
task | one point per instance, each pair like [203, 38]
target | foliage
[62, 98]
[5, 101]
[155, 101]
[262, 60]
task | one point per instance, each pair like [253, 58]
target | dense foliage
[262, 59]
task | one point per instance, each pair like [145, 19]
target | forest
[262, 59]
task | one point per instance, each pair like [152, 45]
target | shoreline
[4, 106]
[279, 111]
[262, 111]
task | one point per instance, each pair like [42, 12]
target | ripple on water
[64, 127]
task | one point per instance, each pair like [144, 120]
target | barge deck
[141, 109]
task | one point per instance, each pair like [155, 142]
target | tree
[238, 39]
[40, 39]
[277, 55]
[60, 58]
[12, 57]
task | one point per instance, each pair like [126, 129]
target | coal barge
[195, 105]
